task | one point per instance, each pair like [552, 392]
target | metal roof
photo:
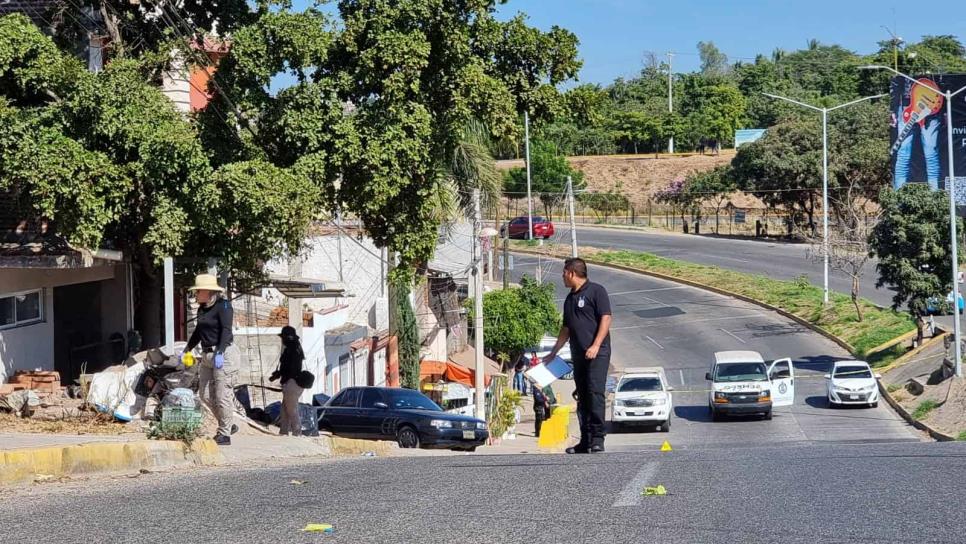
[306, 287]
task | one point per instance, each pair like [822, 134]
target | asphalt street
[872, 493]
[660, 323]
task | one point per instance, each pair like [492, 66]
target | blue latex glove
[219, 360]
[180, 354]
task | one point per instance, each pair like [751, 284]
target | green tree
[714, 186]
[911, 243]
[548, 176]
[713, 61]
[516, 319]
[606, 203]
[407, 333]
[107, 158]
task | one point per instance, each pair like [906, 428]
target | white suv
[643, 396]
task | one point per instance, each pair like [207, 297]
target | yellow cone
[666, 446]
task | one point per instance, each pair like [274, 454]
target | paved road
[888, 493]
[774, 259]
[660, 323]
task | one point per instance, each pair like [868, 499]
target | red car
[518, 228]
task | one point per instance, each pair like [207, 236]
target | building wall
[29, 347]
[32, 346]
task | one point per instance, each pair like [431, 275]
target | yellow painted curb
[351, 446]
[59, 461]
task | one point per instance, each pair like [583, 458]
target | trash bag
[181, 397]
[309, 417]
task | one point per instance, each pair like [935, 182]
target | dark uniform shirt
[583, 310]
[213, 327]
[290, 363]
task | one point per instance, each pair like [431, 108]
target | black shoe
[222, 440]
[597, 448]
[234, 428]
[577, 449]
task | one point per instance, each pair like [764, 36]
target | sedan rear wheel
[407, 437]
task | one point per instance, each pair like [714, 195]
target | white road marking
[681, 370]
[653, 341]
[731, 334]
[649, 290]
[756, 314]
[631, 494]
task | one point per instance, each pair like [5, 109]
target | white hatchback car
[852, 382]
[643, 396]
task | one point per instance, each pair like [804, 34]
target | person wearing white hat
[213, 332]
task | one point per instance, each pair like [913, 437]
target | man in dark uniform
[586, 324]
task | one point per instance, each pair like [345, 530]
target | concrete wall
[32, 346]
[176, 86]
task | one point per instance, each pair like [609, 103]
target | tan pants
[216, 389]
[289, 421]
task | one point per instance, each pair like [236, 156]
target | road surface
[660, 323]
[872, 493]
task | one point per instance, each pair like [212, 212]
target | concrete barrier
[556, 429]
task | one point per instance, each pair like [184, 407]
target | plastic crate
[176, 418]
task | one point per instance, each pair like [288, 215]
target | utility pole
[480, 394]
[526, 136]
[169, 302]
[573, 221]
[338, 225]
[670, 98]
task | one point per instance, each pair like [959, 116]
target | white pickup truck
[741, 384]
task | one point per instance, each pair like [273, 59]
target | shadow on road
[697, 414]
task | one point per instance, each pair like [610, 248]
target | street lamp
[824, 112]
[952, 203]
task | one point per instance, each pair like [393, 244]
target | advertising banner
[918, 136]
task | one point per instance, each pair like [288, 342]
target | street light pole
[670, 98]
[526, 136]
[824, 112]
[957, 331]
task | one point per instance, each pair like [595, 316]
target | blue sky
[615, 34]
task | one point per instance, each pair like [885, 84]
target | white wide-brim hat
[206, 282]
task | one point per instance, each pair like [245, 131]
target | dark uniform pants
[590, 379]
[539, 416]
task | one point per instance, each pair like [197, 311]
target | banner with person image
[919, 151]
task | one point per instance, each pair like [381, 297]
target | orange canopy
[450, 371]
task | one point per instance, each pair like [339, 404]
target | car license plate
[469, 435]
[853, 397]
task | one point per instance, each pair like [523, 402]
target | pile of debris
[35, 393]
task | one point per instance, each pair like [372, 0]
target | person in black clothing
[586, 324]
[289, 368]
[219, 356]
[541, 408]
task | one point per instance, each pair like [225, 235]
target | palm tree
[471, 166]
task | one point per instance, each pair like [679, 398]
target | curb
[815, 328]
[884, 392]
[27, 464]
[352, 446]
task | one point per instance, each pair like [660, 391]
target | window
[347, 398]
[20, 309]
[370, 397]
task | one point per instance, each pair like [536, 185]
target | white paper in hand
[547, 373]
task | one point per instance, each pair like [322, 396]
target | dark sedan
[404, 415]
[519, 228]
